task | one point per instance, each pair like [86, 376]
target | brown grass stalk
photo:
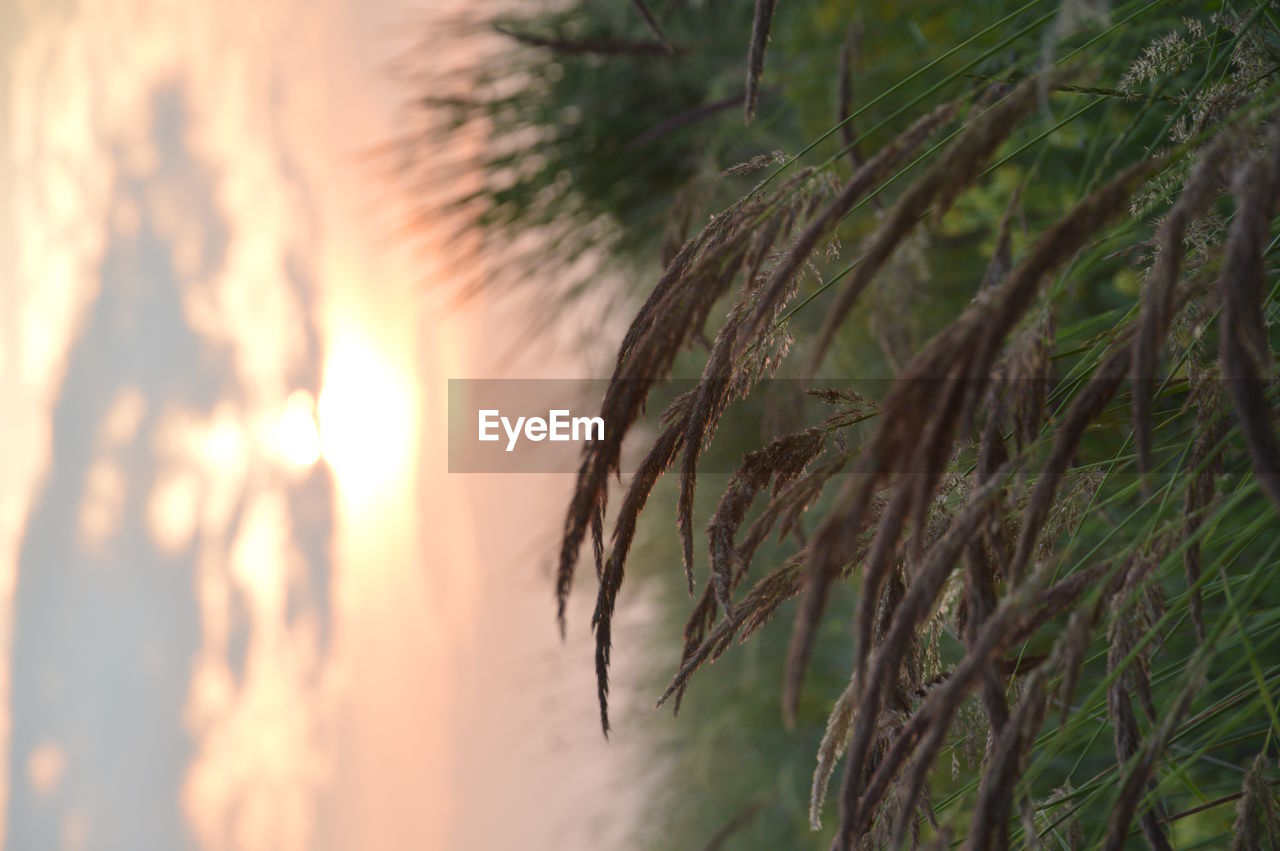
[781, 461]
[1257, 811]
[850, 45]
[944, 180]
[922, 735]
[873, 172]
[725, 377]
[962, 353]
[771, 591]
[654, 465]
[1084, 409]
[1212, 427]
[1135, 678]
[1138, 778]
[1202, 187]
[652, 23]
[761, 24]
[1245, 351]
[925, 586]
[989, 827]
[674, 313]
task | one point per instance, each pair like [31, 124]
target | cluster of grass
[1052, 535]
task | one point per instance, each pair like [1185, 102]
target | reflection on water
[242, 604]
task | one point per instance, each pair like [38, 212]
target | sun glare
[297, 436]
[366, 418]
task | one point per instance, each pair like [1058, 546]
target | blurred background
[242, 604]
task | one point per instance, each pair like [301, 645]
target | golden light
[366, 418]
[297, 435]
[224, 442]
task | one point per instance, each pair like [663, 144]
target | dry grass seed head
[726, 376]
[1030, 362]
[755, 164]
[942, 182]
[980, 600]
[1015, 292]
[896, 297]
[982, 329]
[1246, 353]
[918, 602]
[624, 400]
[655, 463]
[1204, 463]
[1017, 617]
[762, 23]
[1257, 810]
[1202, 187]
[874, 171]
[1128, 626]
[1076, 638]
[1138, 778]
[912, 412]
[989, 826]
[850, 47]
[771, 591]
[781, 461]
[674, 313]
[1002, 254]
[787, 504]
[1166, 56]
[1084, 409]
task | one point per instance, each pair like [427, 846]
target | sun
[366, 412]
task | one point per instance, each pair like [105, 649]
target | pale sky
[242, 604]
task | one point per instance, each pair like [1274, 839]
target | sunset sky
[242, 604]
